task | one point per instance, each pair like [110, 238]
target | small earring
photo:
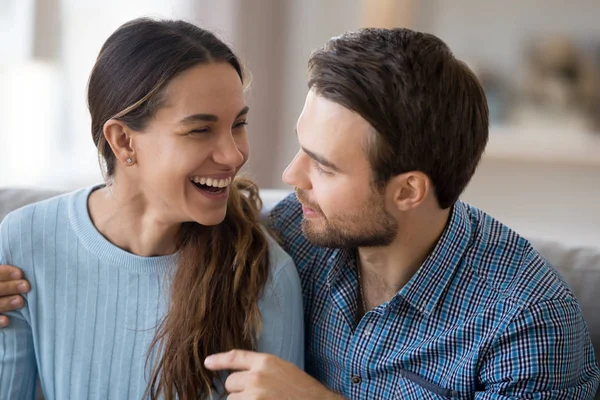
[129, 160]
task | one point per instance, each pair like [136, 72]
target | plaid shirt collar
[423, 290]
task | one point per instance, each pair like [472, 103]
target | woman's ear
[120, 140]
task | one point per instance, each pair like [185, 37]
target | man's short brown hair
[428, 109]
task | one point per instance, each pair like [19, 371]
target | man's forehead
[329, 125]
[323, 108]
[344, 148]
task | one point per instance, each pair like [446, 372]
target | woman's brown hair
[222, 269]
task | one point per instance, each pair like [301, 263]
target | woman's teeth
[218, 183]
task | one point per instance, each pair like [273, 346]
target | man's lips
[310, 212]
[307, 206]
[307, 209]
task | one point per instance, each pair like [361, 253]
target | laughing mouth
[211, 185]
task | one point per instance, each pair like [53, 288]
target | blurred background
[539, 62]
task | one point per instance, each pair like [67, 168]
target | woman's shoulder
[278, 258]
[34, 223]
[33, 215]
[39, 210]
[281, 309]
[282, 267]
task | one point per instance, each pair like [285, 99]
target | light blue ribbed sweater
[93, 308]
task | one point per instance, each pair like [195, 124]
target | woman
[168, 118]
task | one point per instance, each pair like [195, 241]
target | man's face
[333, 179]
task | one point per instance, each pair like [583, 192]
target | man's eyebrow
[321, 159]
[209, 117]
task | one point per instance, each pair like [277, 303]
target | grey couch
[579, 266]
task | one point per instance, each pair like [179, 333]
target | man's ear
[120, 140]
[409, 190]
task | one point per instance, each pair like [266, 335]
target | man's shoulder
[509, 264]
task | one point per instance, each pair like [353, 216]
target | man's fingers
[234, 360]
[13, 287]
[236, 382]
[11, 303]
[244, 385]
[9, 273]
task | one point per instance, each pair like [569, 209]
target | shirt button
[356, 379]
[368, 329]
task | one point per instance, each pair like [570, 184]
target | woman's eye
[202, 130]
[240, 124]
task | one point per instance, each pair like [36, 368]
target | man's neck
[385, 270]
[127, 221]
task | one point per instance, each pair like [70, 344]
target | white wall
[497, 31]
[556, 202]
[16, 32]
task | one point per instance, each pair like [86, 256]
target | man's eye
[320, 170]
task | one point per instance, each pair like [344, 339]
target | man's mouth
[305, 204]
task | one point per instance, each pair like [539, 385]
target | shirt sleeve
[545, 353]
[282, 331]
[18, 370]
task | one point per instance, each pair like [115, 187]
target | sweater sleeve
[18, 371]
[282, 316]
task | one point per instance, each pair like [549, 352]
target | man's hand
[11, 286]
[265, 377]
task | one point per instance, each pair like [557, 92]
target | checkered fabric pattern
[485, 317]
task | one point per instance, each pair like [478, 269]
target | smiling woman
[197, 131]
[168, 118]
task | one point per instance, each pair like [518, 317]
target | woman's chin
[210, 220]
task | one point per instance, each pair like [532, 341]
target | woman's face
[192, 148]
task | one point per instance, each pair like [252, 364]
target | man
[409, 293]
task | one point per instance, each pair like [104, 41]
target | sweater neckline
[96, 243]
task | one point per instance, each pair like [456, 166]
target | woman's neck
[125, 218]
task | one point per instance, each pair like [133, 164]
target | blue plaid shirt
[485, 317]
